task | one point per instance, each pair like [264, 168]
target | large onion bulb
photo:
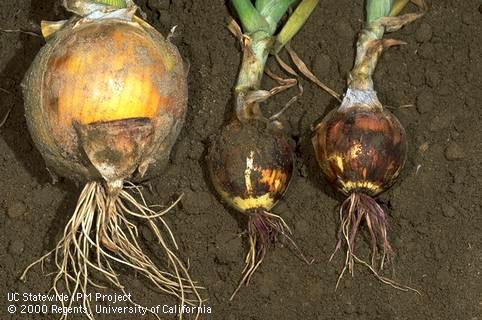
[105, 100]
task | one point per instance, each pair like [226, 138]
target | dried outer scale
[360, 148]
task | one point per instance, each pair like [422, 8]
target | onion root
[99, 235]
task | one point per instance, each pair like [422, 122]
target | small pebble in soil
[425, 101]
[432, 78]
[302, 227]
[423, 33]
[147, 234]
[321, 65]
[16, 247]
[454, 152]
[343, 30]
[16, 209]
[159, 4]
[449, 211]
[229, 248]
[424, 147]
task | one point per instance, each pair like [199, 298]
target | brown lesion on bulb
[360, 151]
[115, 148]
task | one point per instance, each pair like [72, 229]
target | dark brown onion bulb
[360, 150]
[250, 166]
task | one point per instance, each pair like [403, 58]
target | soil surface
[432, 84]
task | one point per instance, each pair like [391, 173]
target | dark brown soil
[434, 208]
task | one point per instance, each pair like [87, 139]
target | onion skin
[98, 75]
[105, 100]
[250, 168]
[360, 149]
[251, 165]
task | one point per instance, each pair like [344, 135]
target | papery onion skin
[360, 149]
[250, 168]
[93, 73]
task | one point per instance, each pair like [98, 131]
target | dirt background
[435, 208]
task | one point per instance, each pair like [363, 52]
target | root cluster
[99, 235]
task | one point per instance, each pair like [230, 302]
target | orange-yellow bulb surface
[103, 77]
[111, 74]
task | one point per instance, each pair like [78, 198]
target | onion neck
[360, 92]
[368, 51]
[369, 45]
[365, 99]
[260, 21]
[84, 8]
[381, 18]
[256, 49]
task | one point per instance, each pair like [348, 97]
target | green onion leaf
[251, 19]
[273, 11]
[113, 3]
[295, 22]
[397, 7]
[377, 9]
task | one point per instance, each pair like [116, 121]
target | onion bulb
[250, 166]
[361, 147]
[250, 162]
[105, 100]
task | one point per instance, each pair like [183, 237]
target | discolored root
[99, 235]
[264, 229]
[360, 208]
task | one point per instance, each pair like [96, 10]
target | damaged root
[264, 229]
[358, 208]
